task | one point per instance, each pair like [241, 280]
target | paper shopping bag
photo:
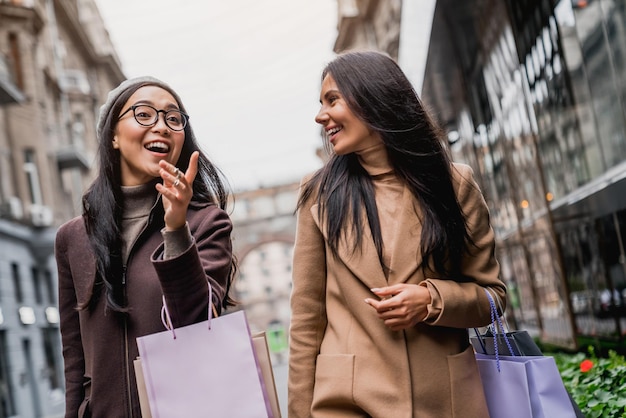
[519, 386]
[265, 363]
[524, 387]
[204, 372]
[141, 389]
[261, 349]
[264, 358]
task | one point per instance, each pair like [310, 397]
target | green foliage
[598, 385]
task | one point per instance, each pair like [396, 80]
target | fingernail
[375, 289]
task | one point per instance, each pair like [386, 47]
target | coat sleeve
[208, 260]
[308, 311]
[70, 329]
[465, 304]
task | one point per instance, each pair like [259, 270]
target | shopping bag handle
[499, 303]
[495, 322]
[166, 319]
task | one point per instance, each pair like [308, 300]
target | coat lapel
[363, 262]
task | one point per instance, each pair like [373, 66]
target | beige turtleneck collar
[388, 191]
[375, 160]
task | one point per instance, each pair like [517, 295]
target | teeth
[158, 147]
[333, 131]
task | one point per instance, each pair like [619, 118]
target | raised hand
[177, 190]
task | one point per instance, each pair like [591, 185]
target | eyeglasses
[147, 115]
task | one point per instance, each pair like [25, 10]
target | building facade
[532, 94]
[368, 24]
[59, 64]
[263, 238]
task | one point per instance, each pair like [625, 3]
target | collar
[375, 160]
[139, 200]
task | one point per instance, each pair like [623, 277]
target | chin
[339, 151]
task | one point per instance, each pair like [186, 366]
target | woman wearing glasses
[153, 225]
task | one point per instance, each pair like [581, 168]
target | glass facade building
[533, 96]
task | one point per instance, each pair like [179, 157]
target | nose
[321, 117]
[160, 122]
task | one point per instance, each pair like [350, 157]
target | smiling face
[345, 131]
[142, 147]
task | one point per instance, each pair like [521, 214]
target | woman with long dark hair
[394, 249]
[153, 226]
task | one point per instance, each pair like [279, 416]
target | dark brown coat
[99, 346]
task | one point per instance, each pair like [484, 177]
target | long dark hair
[378, 92]
[103, 202]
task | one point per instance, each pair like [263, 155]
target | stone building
[263, 238]
[57, 64]
[369, 24]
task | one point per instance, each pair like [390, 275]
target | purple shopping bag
[524, 387]
[520, 386]
[208, 369]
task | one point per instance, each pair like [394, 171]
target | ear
[116, 145]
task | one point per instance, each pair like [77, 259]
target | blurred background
[531, 94]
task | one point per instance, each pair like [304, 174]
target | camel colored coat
[344, 362]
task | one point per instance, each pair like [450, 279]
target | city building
[57, 64]
[532, 94]
[263, 238]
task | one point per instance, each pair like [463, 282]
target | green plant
[597, 385]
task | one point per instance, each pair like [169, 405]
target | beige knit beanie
[125, 85]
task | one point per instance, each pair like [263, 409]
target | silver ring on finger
[177, 182]
[178, 174]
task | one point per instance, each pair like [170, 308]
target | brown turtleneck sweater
[138, 203]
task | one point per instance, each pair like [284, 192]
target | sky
[247, 71]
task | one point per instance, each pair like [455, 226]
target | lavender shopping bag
[521, 386]
[524, 387]
[208, 369]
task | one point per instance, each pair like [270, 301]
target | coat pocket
[467, 396]
[334, 376]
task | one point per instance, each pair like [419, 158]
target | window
[16, 60]
[17, 282]
[29, 378]
[32, 176]
[50, 344]
[7, 405]
[78, 131]
[50, 288]
[34, 271]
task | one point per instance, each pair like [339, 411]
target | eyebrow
[171, 106]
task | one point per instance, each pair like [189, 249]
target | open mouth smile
[158, 146]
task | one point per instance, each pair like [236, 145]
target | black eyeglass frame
[156, 120]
